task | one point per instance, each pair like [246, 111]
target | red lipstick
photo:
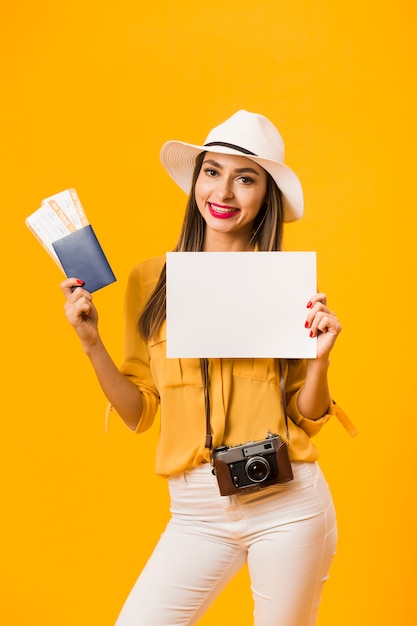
[221, 211]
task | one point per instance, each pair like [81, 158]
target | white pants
[286, 533]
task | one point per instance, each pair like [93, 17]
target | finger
[317, 298]
[79, 310]
[316, 313]
[329, 324]
[325, 322]
[69, 284]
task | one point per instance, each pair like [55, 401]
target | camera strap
[283, 399]
[204, 365]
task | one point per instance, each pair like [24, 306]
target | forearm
[314, 398]
[123, 395]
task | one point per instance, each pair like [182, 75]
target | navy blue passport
[82, 257]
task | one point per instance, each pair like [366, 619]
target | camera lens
[257, 469]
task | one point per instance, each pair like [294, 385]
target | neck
[220, 242]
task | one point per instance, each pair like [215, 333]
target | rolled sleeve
[137, 364]
[296, 374]
[309, 426]
[295, 380]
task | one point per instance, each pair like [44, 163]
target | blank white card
[239, 304]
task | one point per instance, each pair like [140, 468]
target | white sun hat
[245, 134]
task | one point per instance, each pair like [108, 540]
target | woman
[240, 193]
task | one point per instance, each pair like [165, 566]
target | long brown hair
[267, 236]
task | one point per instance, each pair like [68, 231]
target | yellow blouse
[244, 393]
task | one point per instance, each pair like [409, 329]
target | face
[230, 191]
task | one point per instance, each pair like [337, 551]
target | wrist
[319, 364]
[92, 347]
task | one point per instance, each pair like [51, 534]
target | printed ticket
[70, 204]
[58, 216]
[61, 226]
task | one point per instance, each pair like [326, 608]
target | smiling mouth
[221, 211]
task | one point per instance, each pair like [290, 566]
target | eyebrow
[239, 170]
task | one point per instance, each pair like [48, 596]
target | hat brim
[179, 159]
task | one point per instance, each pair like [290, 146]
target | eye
[210, 172]
[246, 180]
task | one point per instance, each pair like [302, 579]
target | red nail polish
[311, 334]
[309, 305]
[80, 282]
[307, 324]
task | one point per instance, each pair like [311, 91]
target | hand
[80, 311]
[323, 324]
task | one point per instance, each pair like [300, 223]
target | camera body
[252, 466]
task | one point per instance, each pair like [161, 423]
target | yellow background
[89, 92]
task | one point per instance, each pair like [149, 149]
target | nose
[224, 189]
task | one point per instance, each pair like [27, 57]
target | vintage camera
[252, 466]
